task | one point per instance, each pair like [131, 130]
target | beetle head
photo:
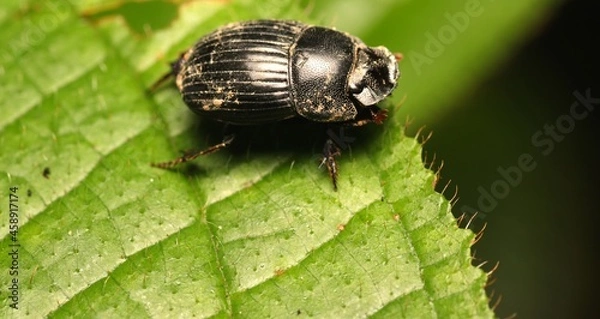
[374, 75]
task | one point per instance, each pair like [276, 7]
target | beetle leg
[193, 155]
[175, 68]
[160, 81]
[380, 116]
[330, 151]
[375, 115]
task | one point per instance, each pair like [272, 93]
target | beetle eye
[374, 75]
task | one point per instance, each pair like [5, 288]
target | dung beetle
[263, 71]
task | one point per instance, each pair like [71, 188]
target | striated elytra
[264, 71]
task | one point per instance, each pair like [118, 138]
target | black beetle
[264, 71]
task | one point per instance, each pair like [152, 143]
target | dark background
[543, 232]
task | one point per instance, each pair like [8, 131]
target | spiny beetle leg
[380, 116]
[175, 68]
[330, 151]
[160, 81]
[375, 115]
[227, 140]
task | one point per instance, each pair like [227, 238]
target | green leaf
[252, 232]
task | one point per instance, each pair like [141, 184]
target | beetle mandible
[263, 71]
